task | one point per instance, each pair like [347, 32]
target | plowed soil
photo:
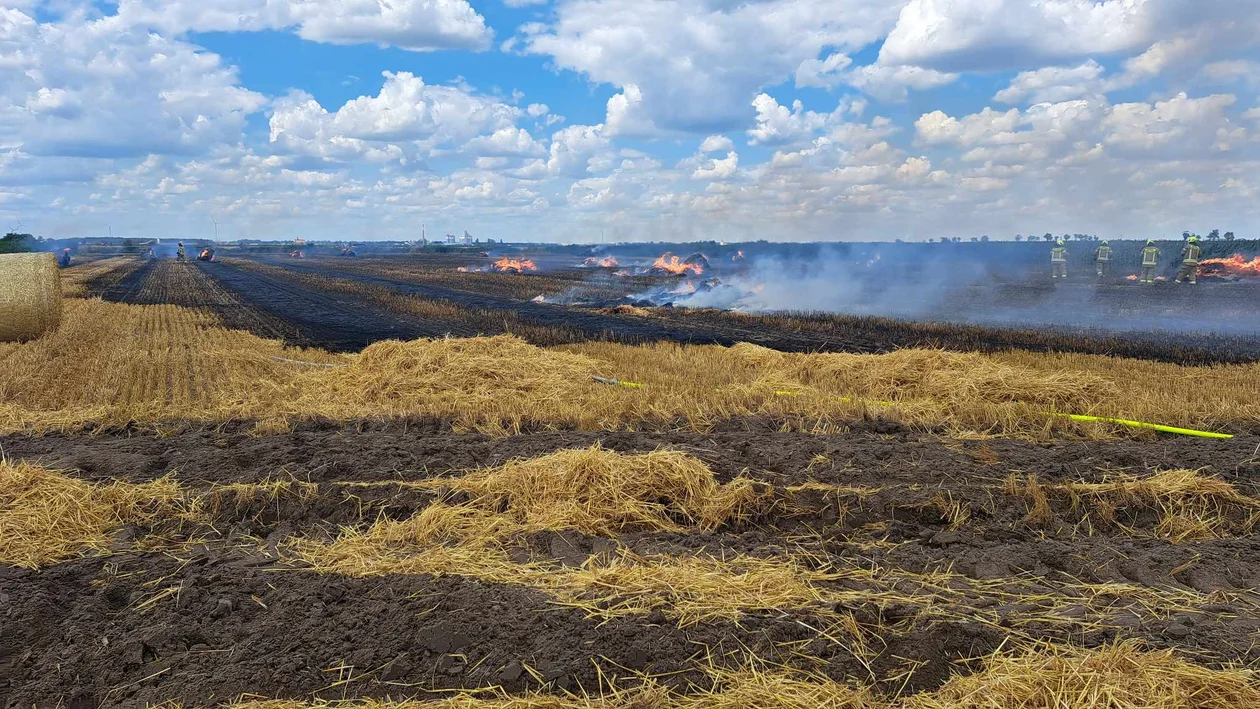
[222, 611]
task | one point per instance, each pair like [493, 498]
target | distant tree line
[14, 243]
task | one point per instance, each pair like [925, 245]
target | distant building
[299, 242]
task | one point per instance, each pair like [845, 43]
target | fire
[686, 288]
[606, 262]
[1233, 267]
[297, 254]
[669, 263]
[462, 269]
[538, 299]
[739, 256]
[511, 265]
[623, 273]
[1131, 277]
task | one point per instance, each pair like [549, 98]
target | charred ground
[346, 304]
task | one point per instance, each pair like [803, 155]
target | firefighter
[65, 258]
[1190, 261]
[1150, 261]
[1102, 258]
[179, 254]
[1058, 260]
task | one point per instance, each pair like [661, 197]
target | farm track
[207, 621]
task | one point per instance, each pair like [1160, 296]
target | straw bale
[30, 296]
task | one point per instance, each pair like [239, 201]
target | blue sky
[667, 120]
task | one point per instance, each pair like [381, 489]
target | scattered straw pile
[599, 491]
[30, 296]
[1180, 505]
[440, 540]
[625, 309]
[463, 540]
[932, 374]
[167, 364]
[1116, 677]
[46, 516]
[484, 380]
[692, 589]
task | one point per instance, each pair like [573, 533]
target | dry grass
[1179, 505]
[493, 383]
[1115, 677]
[111, 363]
[948, 377]
[624, 309]
[599, 491]
[466, 541]
[46, 516]
[114, 364]
[1207, 397]
[1121, 676]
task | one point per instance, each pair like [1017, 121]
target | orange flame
[686, 288]
[1233, 267]
[739, 256]
[674, 266]
[538, 299]
[462, 269]
[606, 262]
[622, 273]
[1131, 277]
[511, 265]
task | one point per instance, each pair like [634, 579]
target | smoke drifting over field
[833, 283]
[960, 285]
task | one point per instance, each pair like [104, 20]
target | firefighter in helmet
[1150, 261]
[1102, 259]
[65, 258]
[1190, 261]
[1058, 260]
[179, 253]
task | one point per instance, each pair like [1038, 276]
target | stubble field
[212, 494]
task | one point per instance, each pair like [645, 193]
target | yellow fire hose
[1143, 424]
[1075, 417]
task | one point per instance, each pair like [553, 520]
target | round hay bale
[30, 296]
